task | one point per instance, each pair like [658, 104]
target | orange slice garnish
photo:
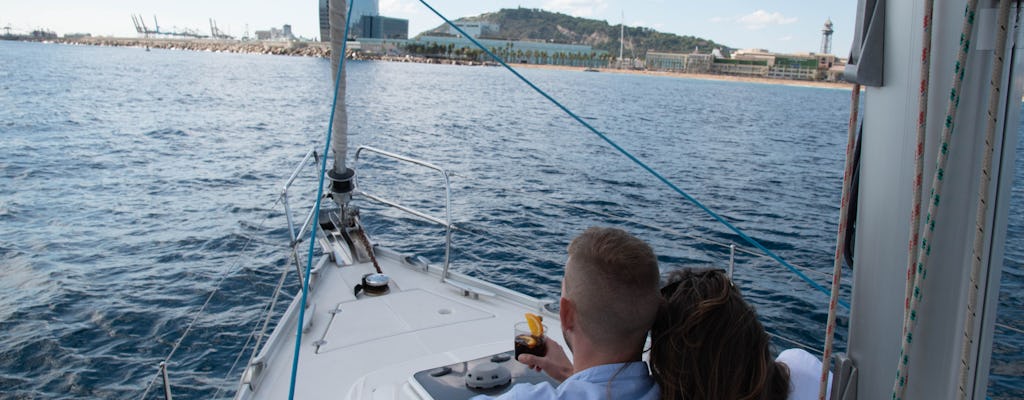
[536, 325]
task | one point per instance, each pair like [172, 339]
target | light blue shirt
[631, 381]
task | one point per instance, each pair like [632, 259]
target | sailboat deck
[363, 346]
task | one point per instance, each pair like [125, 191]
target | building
[796, 66]
[475, 29]
[377, 27]
[513, 51]
[281, 35]
[360, 8]
[678, 62]
[733, 66]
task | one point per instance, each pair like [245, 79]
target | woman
[707, 343]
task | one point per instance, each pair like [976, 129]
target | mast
[340, 175]
[887, 172]
[622, 36]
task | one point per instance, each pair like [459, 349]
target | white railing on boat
[287, 207]
[446, 222]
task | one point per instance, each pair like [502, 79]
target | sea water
[137, 188]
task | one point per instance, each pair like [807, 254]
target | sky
[778, 25]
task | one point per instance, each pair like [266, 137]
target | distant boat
[591, 70]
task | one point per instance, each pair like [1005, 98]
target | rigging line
[664, 229]
[462, 227]
[252, 334]
[794, 342]
[983, 192]
[319, 197]
[268, 310]
[922, 124]
[667, 229]
[837, 266]
[209, 298]
[637, 161]
[673, 231]
[941, 160]
[1010, 328]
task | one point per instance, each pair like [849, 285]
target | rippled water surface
[136, 186]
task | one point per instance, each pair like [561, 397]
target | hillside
[539, 25]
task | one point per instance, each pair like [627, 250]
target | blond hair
[612, 277]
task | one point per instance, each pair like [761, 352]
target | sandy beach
[712, 77]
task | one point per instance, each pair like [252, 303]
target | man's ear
[567, 314]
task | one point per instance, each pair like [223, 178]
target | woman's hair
[707, 343]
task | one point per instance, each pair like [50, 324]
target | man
[609, 301]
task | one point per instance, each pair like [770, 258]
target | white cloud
[786, 38]
[760, 19]
[578, 8]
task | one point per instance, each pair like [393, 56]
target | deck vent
[487, 375]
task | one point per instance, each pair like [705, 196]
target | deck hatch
[394, 314]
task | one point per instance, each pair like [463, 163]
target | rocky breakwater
[308, 49]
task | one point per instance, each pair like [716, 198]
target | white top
[804, 374]
[614, 381]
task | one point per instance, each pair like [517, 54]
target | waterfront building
[462, 48]
[281, 35]
[679, 62]
[360, 8]
[750, 62]
[795, 66]
[524, 51]
[377, 27]
[733, 66]
[476, 29]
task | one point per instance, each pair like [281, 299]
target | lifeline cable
[316, 215]
[209, 298]
[637, 161]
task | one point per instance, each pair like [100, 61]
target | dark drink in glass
[525, 342]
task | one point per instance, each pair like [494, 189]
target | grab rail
[287, 206]
[446, 222]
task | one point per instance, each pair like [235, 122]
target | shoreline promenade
[322, 50]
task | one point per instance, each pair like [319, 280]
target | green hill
[539, 25]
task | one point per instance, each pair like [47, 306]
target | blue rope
[637, 161]
[316, 215]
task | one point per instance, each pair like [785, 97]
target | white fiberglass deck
[369, 347]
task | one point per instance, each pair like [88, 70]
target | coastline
[708, 77]
[322, 50]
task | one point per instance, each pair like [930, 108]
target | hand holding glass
[526, 342]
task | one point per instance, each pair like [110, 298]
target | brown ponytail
[707, 343]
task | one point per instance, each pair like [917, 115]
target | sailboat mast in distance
[622, 35]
